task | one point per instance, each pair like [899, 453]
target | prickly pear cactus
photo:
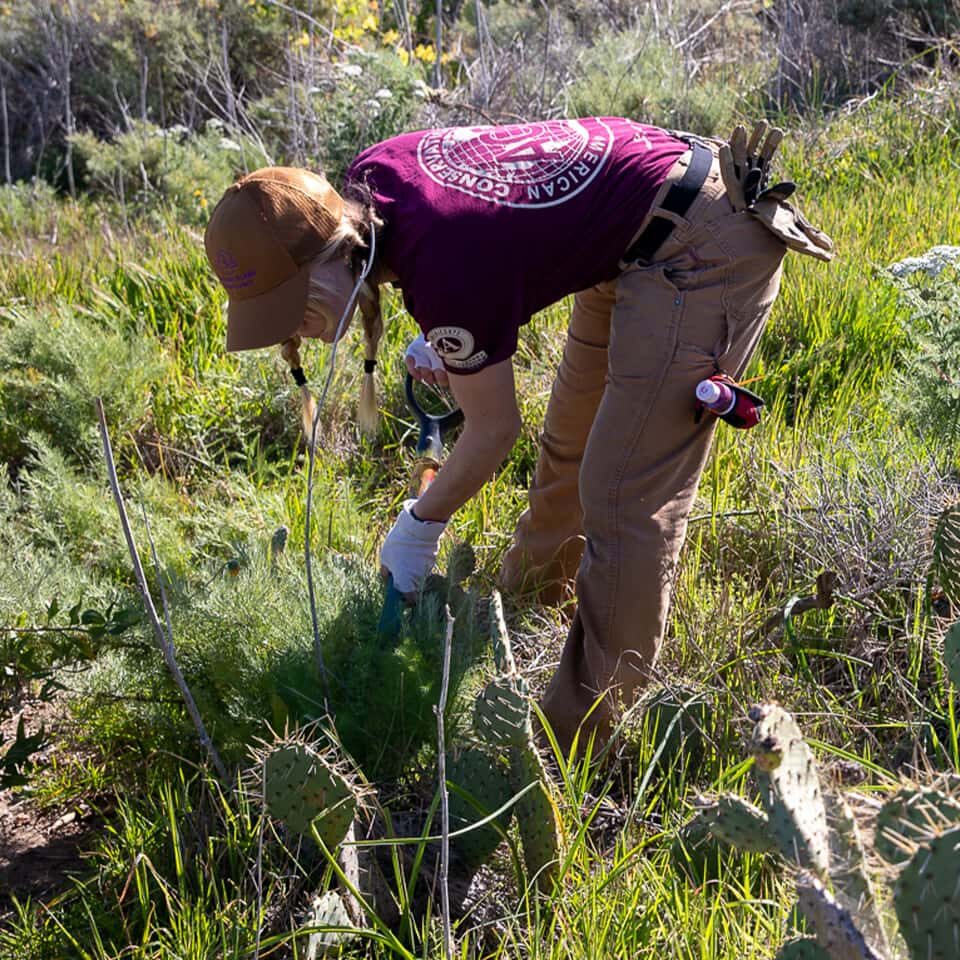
[502, 648]
[487, 781]
[946, 551]
[304, 785]
[927, 899]
[951, 655]
[328, 910]
[673, 727]
[461, 563]
[835, 929]
[802, 948]
[787, 775]
[909, 817]
[537, 817]
[278, 543]
[741, 824]
[502, 719]
[848, 869]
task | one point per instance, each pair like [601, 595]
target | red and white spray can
[729, 401]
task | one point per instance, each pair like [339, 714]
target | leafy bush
[352, 103]
[148, 166]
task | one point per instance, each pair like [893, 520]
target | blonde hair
[348, 242]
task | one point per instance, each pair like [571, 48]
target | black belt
[678, 200]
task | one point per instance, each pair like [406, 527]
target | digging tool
[433, 428]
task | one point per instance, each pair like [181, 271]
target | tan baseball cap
[260, 240]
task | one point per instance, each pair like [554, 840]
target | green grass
[209, 444]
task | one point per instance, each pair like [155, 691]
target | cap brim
[272, 317]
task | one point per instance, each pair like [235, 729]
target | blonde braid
[290, 351]
[370, 311]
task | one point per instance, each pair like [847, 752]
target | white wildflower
[383, 94]
[227, 144]
[932, 263]
[350, 69]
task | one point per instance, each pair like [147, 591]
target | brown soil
[39, 849]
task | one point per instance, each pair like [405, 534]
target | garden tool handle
[424, 473]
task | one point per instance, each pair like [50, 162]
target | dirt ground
[39, 848]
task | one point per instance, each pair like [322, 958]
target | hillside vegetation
[122, 123]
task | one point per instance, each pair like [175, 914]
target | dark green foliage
[15, 761]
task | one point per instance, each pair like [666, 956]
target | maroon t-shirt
[488, 225]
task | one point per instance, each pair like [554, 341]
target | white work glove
[410, 550]
[423, 362]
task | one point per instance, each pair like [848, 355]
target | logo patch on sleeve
[454, 346]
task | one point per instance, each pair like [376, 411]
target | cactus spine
[485, 778]
[909, 817]
[741, 824]
[917, 830]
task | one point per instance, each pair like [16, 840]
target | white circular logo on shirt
[454, 345]
[522, 165]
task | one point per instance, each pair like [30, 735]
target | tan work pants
[622, 455]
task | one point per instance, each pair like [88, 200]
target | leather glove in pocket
[788, 224]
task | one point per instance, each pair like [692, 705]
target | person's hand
[410, 550]
[424, 364]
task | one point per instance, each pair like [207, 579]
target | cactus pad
[328, 910]
[787, 775]
[461, 563]
[673, 725]
[502, 648]
[835, 929]
[951, 655]
[481, 775]
[537, 818]
[502, 713]
[946, 551]
[927, 899]
[739, 823]
[303, 787]
[802, 948]
[910, 817]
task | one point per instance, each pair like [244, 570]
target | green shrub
[53, 364]
[245, 645]
[926, 388]
[147, 166]
[638, 75]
